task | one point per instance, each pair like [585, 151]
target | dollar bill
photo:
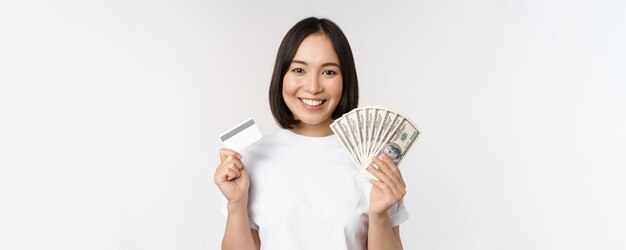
[353, 127]
[347, 142]
[376, 123]
[398, 144]
[360, 117]
[370, 131]
[369, 120]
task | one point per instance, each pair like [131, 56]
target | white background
[111, 110]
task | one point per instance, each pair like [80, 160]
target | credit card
[241, 135]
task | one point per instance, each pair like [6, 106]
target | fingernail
[373, 168]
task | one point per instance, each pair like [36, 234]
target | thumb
[244, 172]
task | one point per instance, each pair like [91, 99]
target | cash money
[370, 131]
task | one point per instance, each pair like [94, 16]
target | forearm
[380, 235]
[237, 234]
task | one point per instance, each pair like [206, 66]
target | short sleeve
[224, 211]
[397, 213]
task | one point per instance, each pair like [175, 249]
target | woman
[298, 188]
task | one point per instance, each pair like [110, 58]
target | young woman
[297, 188]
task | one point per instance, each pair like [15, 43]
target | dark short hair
[287, 50]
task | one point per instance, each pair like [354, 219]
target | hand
[231, 177]
[391, 187]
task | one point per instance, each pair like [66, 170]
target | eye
[297, 70]
[329, 72]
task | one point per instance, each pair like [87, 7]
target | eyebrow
[323, 65]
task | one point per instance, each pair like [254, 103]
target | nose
[313, 85]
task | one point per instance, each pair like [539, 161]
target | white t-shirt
[306, 193]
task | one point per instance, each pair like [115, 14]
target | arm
[238, 234]
[385, 193]
[231, 177]
[381, 235]
[255, 236]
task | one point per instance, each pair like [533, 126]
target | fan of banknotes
[369, 131]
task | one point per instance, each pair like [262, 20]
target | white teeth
[312, 102]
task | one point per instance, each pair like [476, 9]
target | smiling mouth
[312, 102]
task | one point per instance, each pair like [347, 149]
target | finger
[382, 186]
[239, 169]
[234, 168]
[394, 167]
[392, 187]
[384, 167]
[244, 171]
[232, 160]
[226, 174]
[385, 158]
[224, 152]
[397, 184]
[233, 174]
[390, 166]
[383, 178]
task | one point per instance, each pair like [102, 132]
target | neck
[316, 130]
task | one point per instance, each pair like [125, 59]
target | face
[312, 86]
[392, 152]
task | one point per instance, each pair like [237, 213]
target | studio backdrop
[110, 113]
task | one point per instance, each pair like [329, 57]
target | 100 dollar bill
[370, 131]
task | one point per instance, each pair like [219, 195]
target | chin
[313, 121]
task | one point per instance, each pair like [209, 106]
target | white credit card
[241, 135]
